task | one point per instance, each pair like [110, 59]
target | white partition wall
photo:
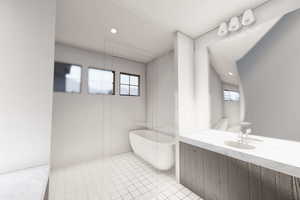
[26, 77]
[184, 70]
[184, 96]
[161, 83]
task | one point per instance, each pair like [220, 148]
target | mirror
[227, 100]
[254, 77]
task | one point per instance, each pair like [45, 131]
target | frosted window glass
[134, 80]
[73, 79]
[230, 95]
[124, 89]
[124, 79]
[100, 81]
[67, 78]
[134, 91]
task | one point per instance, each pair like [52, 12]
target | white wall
[184, 89]
[92, 126]
[216, 96]
[161, 94]
[26, 60]
[270, 78]
[184, 73]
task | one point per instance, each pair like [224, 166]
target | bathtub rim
[168, 143]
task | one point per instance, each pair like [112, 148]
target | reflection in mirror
[227, 100]
[225, 103]
[270, 71]
[259, 62]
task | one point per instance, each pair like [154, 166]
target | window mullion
[129, 86]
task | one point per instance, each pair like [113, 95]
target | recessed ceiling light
[113, 30]
[230, 73]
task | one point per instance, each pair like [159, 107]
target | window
[67, 78]
[101, 81]
[231, 95]
[129, 84]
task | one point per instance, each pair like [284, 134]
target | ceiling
[145, 27]
[240, 44]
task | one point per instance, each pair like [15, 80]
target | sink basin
[251, 139]
[239, 145]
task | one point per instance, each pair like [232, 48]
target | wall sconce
[223, 29]
[248, 18]
[234, 24]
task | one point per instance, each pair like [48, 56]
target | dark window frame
[102, 69]
[81, 77]
[139, 84]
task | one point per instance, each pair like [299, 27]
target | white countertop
[276, 154]
[27, 184]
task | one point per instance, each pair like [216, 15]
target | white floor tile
[122, 177]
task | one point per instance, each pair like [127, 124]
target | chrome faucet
[245, 132]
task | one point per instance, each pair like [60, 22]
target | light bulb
[223, 29]
[234, 24]
[248, 18]
[113, 30]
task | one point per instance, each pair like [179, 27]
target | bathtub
[154, 147]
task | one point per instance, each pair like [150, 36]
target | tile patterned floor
[122, 177]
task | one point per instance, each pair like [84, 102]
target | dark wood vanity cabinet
[217, 177]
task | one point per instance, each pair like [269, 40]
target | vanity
[216, 167]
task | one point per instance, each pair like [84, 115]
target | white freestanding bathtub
[156, 148]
